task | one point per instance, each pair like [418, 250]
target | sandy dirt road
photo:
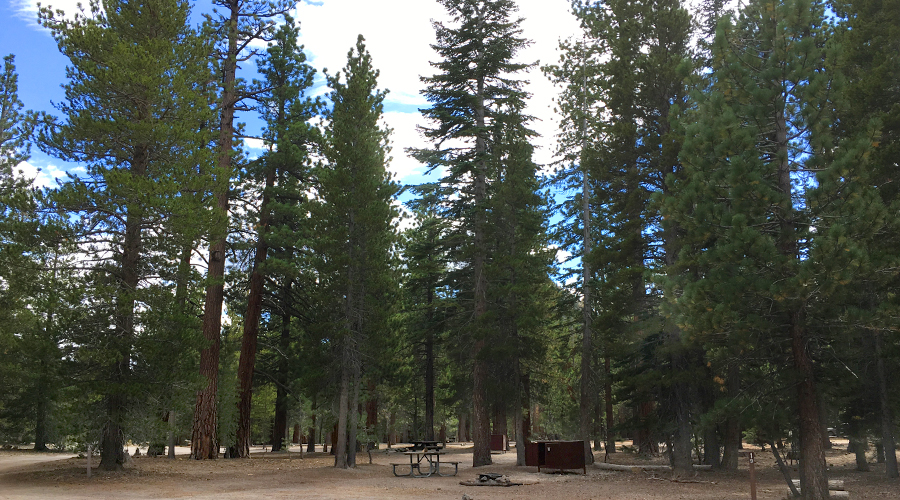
[271, 476]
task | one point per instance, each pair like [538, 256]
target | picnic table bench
[421, 458]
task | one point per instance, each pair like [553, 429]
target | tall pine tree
[775, 209]
[135, 110]
[357, 236]
[242, 23]
[286, 109]
[475, 85]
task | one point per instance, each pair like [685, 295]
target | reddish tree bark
[204, 442]
[247, 361]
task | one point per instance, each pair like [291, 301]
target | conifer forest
[723, 191]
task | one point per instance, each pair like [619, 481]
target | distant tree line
[724, 186]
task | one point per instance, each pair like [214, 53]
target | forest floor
[31, 476]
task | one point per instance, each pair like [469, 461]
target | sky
[398, 35]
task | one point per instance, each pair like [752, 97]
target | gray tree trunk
[171, 434]
[887, 421]
[340, 448]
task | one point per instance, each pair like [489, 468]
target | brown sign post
[752, 476]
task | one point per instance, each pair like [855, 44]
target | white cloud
[399, 39]
[42, 177]
[404, 135]
[561, 255]
[28, 9]
[399, 35]
[255, 144]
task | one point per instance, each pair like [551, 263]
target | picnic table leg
[403, 475]
[430, 468]
[455, 470]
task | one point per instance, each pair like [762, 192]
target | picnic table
[426, 445]
[425, 461]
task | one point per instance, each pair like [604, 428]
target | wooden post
[89, 461]
[752, 476]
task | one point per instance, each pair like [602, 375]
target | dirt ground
[31, 476]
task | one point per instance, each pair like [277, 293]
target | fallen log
[833, 494]
[478, 483]
[633, 468]
[833, 484]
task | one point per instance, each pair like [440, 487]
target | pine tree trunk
[354, 418]
[887, 421]
[644, 439]
[112, 440]
[247, 361]
[518, 417]
[311, 438]
[586, 397]
[429, 368]
[112, 444]
[43, 390]
[339, 448]
[281, 374]
[280, 429]
[711, 447]
[526, 418]
[181, 302]
[204, 443]
[171, 439]
[481, 422]
[858, 446]
[587, 352]
[461, 436]
[732, 436]
[372, 411]
[40, 411]
[500, 421]
[608, 400]
[392, 429]
[711, 454]
[248, 356]
[813, 479]
[682, 465]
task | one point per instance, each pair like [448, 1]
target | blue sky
[398, 34]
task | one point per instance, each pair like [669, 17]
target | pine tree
[136, 105]
[357, 236]
[242, 23]
[426, 263]
[37, 293]
[518, 270]
[574, 232]
[771, 204]
[474, 87]
[16, 200]
[870, 39]
[16, 126]
[619, 84]
[286, 108]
